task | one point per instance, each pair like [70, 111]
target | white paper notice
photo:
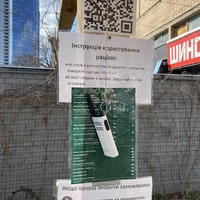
[88, 60]
[137, 189]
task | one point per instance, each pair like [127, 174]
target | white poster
[136, 189]
[88, 60]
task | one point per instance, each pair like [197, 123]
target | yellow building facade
[173, 17]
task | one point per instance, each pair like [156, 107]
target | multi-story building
[162, 20]
[19, 30]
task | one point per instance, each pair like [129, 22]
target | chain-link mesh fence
[34, 140]
[169, 138]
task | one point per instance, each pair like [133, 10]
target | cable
[161, 1]
[164, 24]
[107, 102]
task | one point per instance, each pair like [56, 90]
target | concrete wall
[23, 76]
[34, 136]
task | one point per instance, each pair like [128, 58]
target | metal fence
[169, 137]
[34, 140]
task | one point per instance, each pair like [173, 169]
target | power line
[173, 3]
[39, 23]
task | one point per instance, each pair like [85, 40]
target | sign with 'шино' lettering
[184, 50]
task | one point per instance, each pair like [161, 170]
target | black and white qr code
[112, 16]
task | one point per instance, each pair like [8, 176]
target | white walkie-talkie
[103, 131]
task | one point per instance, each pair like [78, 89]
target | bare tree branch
[48, 47]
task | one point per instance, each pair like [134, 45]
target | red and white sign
[184, 50]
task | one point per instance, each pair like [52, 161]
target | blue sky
[50, 17]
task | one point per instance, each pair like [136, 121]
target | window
[161, 39]
[194, 22]
[181, 29]
[188, 25]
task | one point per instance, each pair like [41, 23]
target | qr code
[112, 16]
